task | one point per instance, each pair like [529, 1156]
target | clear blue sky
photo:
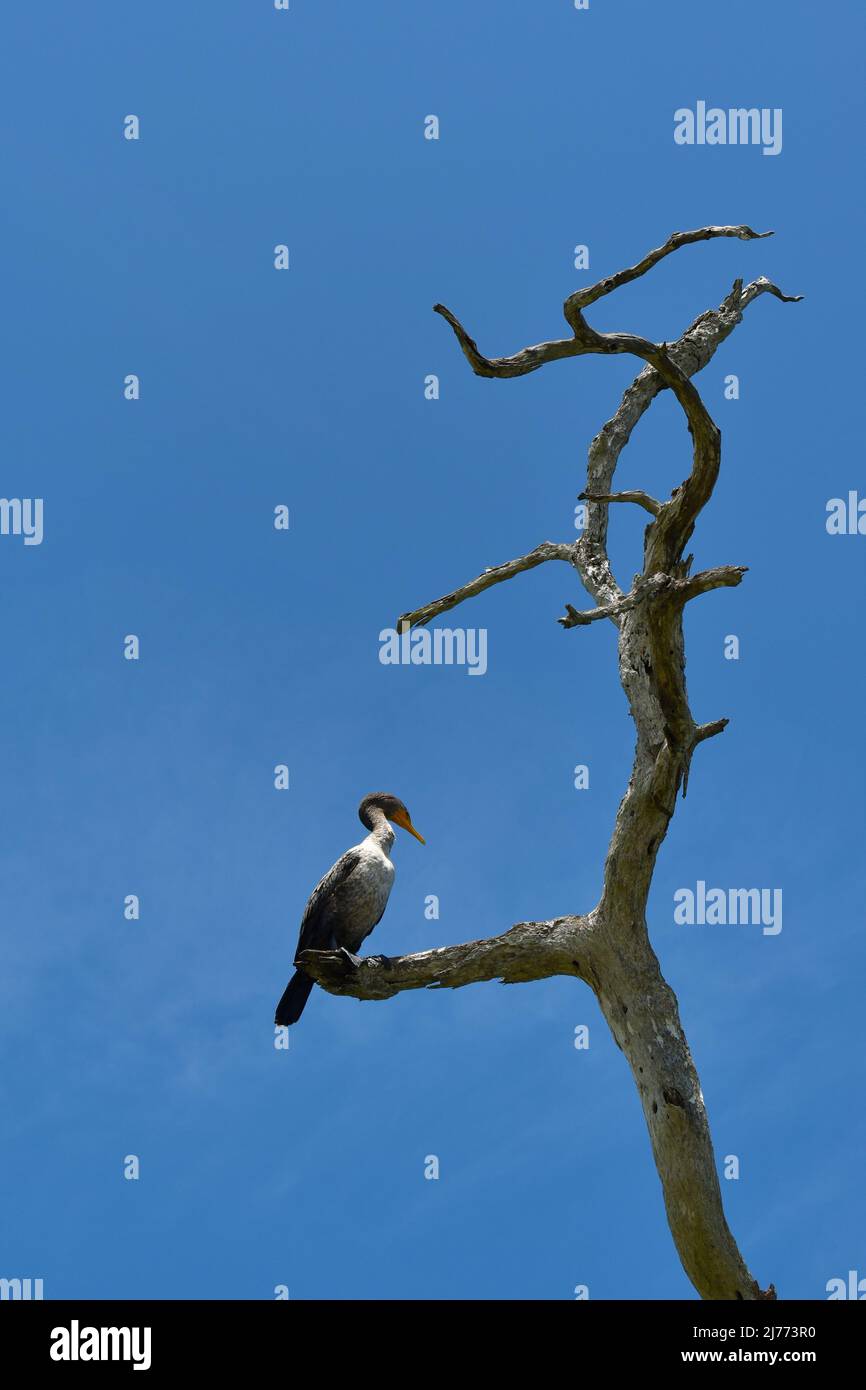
[155, 1037]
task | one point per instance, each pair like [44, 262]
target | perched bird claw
[386, 962]
[354, 961]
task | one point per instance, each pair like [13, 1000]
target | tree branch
[609, 948]
[529, 951]
[764, 286]
[648, 589]
[702, 732]
[656, 586]
[692, 352]
[642, 499]
[548, 550]
[529, 359]
[722, 577]
[689, 355]
[581, 299]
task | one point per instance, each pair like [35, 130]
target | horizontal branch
[642, 499]
[705, 731]
[577, 618]
[548, 550]
[642, 1013]
[656, 586]
[528, 951]
[722, 577]
[644, 588]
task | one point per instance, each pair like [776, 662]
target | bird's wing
[315, 932]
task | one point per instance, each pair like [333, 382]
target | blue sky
[305, 387]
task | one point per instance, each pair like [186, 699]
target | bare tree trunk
[609, 948]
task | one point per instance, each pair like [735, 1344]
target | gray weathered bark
[609, 947]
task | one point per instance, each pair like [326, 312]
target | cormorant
[346, 904]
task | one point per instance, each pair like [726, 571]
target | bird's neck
[381, 830]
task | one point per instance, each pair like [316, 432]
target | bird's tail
[295, 996]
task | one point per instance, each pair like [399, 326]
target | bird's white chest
[371, 882]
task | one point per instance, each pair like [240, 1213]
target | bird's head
[392, 809]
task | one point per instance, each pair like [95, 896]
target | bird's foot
[354, 962]
[386, 961]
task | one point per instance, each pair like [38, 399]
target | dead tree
[609, 948]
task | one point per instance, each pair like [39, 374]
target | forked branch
[609, 947]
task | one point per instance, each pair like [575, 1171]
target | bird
[347, 903]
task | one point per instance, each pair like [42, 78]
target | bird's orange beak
[405, 824]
